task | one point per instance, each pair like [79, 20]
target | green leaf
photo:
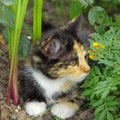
[99, 109]
[85, 3]
[5, 35]
[8, 2]
[117, 119]
[113, 108]
[97, 70]
[75, 8]
[102, 115]
[27, 29]
[113, 103]
[107, 62]
[87, 92]
[110, 98]
[6, 16]
[97, 15]
[24, 46]
[117, 58]
[98, 103]
[109, 116]
[117, 20]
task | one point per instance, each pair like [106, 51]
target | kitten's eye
[73, 63]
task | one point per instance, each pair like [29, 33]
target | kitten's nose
[86, 68]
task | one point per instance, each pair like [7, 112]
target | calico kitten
[54, 68]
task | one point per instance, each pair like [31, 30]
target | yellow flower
[89, 51]
[95, 44]
[102, 46]
[91, 56]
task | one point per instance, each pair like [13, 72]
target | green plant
[19, 10]
[37, 20]
[12, 17]
[103, 83]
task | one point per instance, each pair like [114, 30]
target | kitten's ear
[51, 48]
[80, 28]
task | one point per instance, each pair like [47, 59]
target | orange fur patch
[72, 105]
[77, 70]
[66, 86]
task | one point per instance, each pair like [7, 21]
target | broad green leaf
[102, 115]
[27, 29]
[107, 62]
[8, 2]
[100, 29]
[98, 103]
[105, 93]
[117, 58]
[113, 103]
[92, 96]
[97, 70]
[117, 119]
[110, 98]
[97, 15]
[24, 46]
[109, 116]
[5, 35]
[6, 16]
[99, 91]
[87, 92]
[99, 109]
[117, 20]
[113, 108]
[75, 8]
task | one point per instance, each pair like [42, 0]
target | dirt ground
[13, 112]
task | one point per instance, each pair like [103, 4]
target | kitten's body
[55, 67]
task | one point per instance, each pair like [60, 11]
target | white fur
[52, 86]
[35, 108]
[62, 111]
[79, 79]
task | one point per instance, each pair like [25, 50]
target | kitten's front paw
[35, 108]
[62, 111]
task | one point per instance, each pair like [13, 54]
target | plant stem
[37, 20]
[14, 35]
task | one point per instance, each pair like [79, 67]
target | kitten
[54, 68]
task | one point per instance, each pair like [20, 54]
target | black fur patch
[30, 89]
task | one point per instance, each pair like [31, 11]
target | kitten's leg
[35, 108]
[64, 109]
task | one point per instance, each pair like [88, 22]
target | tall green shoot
[14, 36]
[12, 17]
[37, 20]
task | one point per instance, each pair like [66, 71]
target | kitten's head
[62, 52]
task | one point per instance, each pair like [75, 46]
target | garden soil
[13, 112]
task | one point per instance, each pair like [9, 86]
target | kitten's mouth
[83, 77]
[79, 79]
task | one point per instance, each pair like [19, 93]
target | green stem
[37, 20]
[14, 35]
